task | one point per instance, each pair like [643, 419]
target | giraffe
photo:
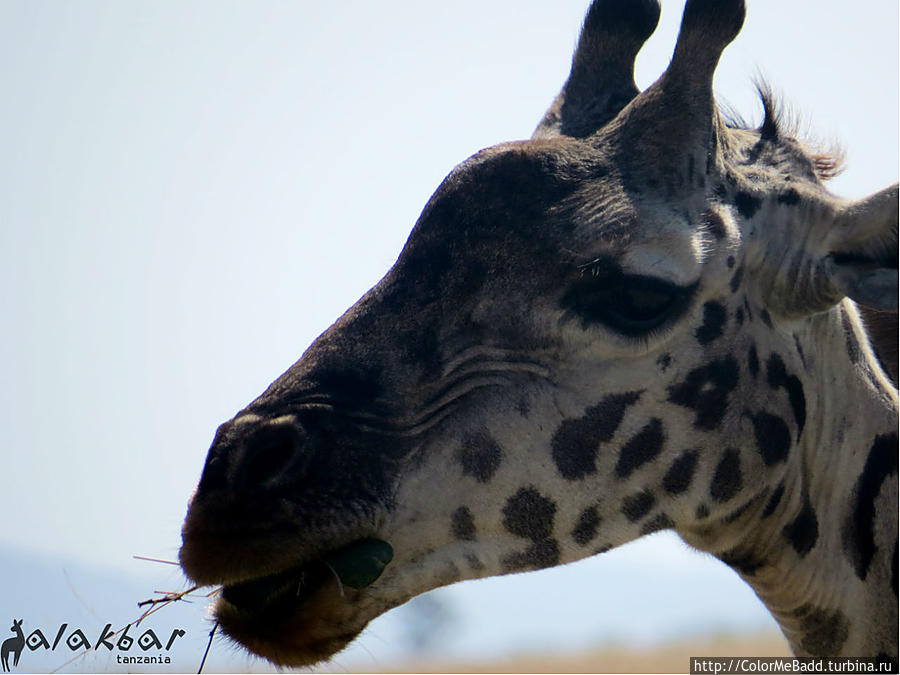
[642, 318]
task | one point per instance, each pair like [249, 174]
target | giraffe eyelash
[631, 305]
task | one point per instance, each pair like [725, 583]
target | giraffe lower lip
[280, 591]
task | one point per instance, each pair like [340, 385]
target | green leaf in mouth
[361, 563]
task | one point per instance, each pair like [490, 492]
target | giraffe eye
[629, 304]
[635, 305]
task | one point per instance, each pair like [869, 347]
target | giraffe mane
[780, 122]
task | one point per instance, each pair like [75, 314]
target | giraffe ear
[862, 263]
[601, 81]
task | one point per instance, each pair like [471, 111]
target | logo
[13, 646]
[76, 639]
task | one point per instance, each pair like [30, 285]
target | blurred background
[191, 192]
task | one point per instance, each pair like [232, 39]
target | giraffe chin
[298, 617]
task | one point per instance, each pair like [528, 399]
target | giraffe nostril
[270, 454]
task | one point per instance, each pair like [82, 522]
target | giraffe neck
[820, 546]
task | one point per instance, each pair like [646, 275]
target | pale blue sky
[191, 192]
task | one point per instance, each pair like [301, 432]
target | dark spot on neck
[474, 562]
[825, 631]
[735, 282]
[774, 500]
[777, 376]
[638, 505]
[480, 456]
[743, 508]
[644, 446]
[576, 442]
[462, 524]
[803, 531]
[714, 318]
[789, 197]
[705, 390]
[859, 532]
[529, 514]
[660, 521]
[773, 438]
[538, 556]
[747, 205]
[753, 360]
[742, 561]
[727, 480]
[586, 528]
[679, 476]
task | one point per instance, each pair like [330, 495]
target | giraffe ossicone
[642, 318]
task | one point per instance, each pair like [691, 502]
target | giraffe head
[589, 336]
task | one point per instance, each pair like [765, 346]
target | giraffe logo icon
[13, 645]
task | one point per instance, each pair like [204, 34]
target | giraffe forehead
[597, 211]
[565, 194]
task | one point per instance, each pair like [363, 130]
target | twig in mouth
[156, 560]
[208, 645]
[168, 597]
[153, 605]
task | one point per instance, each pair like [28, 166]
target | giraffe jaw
[304, 614]
[291, 629]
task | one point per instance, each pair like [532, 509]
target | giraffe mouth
[279, 591]
[356, 566]
[308, 612]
